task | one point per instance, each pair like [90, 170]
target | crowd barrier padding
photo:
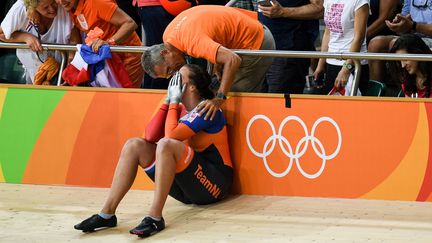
[371, 148]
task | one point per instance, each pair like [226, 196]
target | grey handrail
[61, 47]
[335, 55]
[269, 53]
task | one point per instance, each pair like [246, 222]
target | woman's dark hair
[412, 44]
[201, 79]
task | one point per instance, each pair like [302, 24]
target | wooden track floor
[30, 213]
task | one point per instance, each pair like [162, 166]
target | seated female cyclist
[198, 171]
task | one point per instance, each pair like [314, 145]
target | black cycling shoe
[148, 226]
[95, 222]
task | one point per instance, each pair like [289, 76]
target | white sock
[105, 215]
[154, 218]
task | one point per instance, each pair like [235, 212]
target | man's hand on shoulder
[211, 106]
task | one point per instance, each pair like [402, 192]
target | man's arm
[75, 38]
[126, 26]
[387, 10]
[231, 63]
[313, 10]
[424, 29]
[322, 61]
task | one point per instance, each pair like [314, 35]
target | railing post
[357, 73]
[210, 68]
[62, 66]
[231, 3]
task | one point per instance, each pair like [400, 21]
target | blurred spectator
[4, 8]
[381, 10]
[245, 4]
[35, 22]
[416, 17]
[415, 77]
[294, 26]
[345, 32]
[406, 7]
[154, 19]
[128, 7]
[118, 29]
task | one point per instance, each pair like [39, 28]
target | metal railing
[63, 48]
[355, 56]
[269, 53]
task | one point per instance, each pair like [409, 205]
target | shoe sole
[95, 229]
[88, 231]
[144, 235]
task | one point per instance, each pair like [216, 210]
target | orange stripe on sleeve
[172, 127]
[181, 132]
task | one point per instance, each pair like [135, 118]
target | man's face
[68, 4]
[173, 62]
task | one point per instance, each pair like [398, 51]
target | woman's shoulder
[219, 117]
[360, 3]
[15, 19]
[218, 121]
[198, 122]
[19, 4]
[18, 9]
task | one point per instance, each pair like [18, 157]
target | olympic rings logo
[301, 147]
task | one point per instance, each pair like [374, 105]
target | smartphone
[309, 81]
[265, 3]
[320, 80]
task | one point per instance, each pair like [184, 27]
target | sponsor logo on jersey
[192, 117]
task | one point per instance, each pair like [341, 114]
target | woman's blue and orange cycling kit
[204, 173]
